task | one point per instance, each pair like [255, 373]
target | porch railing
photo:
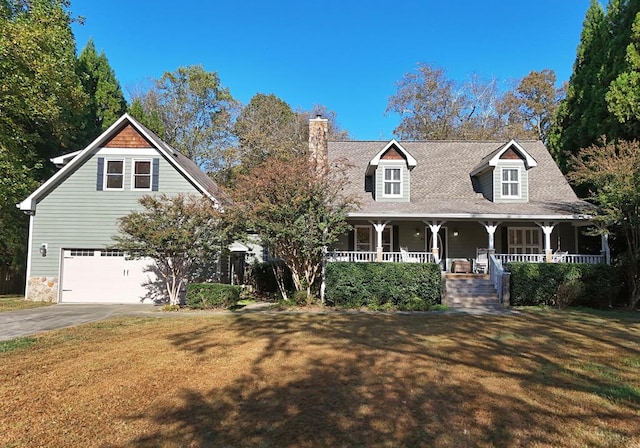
[540, 258]
[368, 257]
[499, 279]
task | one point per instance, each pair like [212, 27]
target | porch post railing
[500, 280]
[547, 228]
[434, 226]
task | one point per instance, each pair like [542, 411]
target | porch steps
[470, 291]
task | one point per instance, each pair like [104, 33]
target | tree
[295, 211]
[430, 105]
[612, 171]
[176, 232]
[434, 107]
[41, 106]
[265, 128]
[196, 112]
[600, 94]
[529, 109]
[106, 101]
[623, 97]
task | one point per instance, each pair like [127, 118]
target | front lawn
[12, 303]
[541, 378]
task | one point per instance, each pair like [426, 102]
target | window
[392, 182]
[114, 176]
[82, 252]
[525, 240]
[510, 183]
[111, 253]
[141, 175]
[363, 239]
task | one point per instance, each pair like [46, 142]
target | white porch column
[547, 228]
[379, 228]
[604, 241]
[490, 227]
[434, 226]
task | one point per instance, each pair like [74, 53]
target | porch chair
[559, 257]
[406, 258]
[481, 263]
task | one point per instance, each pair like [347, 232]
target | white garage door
[104, 276]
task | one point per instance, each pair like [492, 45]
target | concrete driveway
[20, 323]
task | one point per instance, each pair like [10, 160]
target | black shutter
[155, 177]
[396, 239]
[100, 176]
[352, 238]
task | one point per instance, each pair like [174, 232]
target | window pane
[505, 175]
[514, 175]
[142, 182]
[396, 188]
[143, 168]
[514, 189]
[114, 181]
[115, 166]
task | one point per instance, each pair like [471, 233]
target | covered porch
[465, 245]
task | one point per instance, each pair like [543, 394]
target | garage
[105, 276]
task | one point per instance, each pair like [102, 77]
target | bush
[562, 284]
[403, 286]
[263, 279]
[212, 295]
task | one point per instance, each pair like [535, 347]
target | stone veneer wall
[42, 289]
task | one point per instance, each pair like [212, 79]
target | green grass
[13, 303]
[15, 344]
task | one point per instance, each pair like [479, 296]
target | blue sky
[347, 55]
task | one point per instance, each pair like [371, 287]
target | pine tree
[106, 101]
[582, 114]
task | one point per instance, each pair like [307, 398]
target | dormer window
[392, 182]
[510, 183]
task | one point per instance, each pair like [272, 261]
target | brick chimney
[318, 143]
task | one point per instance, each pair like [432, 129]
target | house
[74, 214]
[457, 203]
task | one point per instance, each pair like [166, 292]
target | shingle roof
[441, 183]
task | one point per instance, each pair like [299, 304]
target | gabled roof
[492, 158]
[411, 162]
[441, 185]
[188, 168]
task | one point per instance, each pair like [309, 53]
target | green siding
[76, 215]
[497, 181]
[486, 184]
[405, 178]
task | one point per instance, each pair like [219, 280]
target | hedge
[212, 295]
[404, 286]
[562, 284]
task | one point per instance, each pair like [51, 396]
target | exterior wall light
[455, 233]
[43, 249]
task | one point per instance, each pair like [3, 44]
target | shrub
[404, 286]
[212, 295]
[562, 284]
[263, 279]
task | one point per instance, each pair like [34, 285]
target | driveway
[20, 323]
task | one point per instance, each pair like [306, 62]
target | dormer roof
[373, 163]
[491, 159]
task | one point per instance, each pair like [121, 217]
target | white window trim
[524, 245]
[385, 181]
[510, 182]
[355, 238]
[105, 183]
[133, 174]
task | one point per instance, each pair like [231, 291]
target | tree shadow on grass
[388, 380]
